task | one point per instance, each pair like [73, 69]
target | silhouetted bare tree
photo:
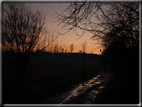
[22, 30]
[84, 46]
[49, 37]
[71, 48]
[116, 26]
[62, 50]
[108, 22]
[56, 50]
[121, 19]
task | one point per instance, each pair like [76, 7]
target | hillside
[63, 56]
[68, 57]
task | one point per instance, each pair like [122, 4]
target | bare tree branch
[22, 32]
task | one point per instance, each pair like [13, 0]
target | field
[45, 78]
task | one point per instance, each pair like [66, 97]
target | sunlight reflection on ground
[84, 87]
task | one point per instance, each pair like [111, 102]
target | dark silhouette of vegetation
[22, 30]
[62, 50]
[56, 50]
[80, 51]
[101, 18]
[116, 27]
[84, 47]
[109, 23]
[71, 47]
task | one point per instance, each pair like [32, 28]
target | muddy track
[83, 93]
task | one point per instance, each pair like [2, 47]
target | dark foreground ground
[43, 79]
[106, 88]
[121, 89]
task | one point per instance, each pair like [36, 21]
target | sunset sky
[69, 38]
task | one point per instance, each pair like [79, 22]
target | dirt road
[83, 93]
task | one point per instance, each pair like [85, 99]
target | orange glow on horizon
[69, 38]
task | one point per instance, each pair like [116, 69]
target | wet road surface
[83, 93]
